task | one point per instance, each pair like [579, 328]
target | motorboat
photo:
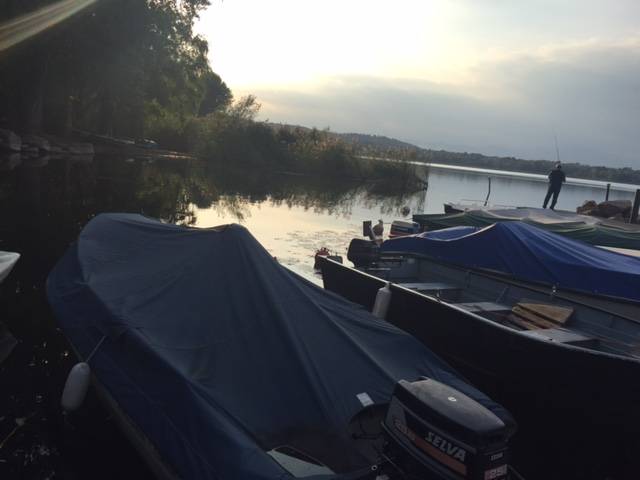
[7, 340]
[7, 262]
[218, 362]
[588, 229]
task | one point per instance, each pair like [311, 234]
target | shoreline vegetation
[234, 138]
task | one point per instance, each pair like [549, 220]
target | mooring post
[486, 200]
[366, 229]
[606, 197]
[636, 206]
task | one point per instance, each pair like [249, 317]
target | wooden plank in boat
[429, 286]
[483, 307]
[531, 317]
[521, 322]
[552, 313]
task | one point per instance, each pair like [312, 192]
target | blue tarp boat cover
[219, 354]
[529, 253]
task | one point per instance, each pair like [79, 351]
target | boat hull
[577, 399]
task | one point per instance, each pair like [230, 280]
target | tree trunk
[31, 104]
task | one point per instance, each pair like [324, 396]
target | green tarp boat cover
[587, 229]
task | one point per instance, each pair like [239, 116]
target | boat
[7, 340]
[466, 205]
[7, 262]
[402, 228]
[221, 363]
[548, 326]
[592, 230]
[325, 252]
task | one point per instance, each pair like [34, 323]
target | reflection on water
[293, 216]
[45, 202]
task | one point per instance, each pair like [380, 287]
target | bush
[231, 137]
[165, 127]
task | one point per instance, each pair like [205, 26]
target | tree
[99, 69]
[216, 94]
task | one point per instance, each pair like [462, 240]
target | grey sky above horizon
[499, 77]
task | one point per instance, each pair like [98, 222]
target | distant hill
[376, 141]
[385, 147]
[377, 145]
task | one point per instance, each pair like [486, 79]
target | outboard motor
[432, 427]
[363, 252]
[402, 228]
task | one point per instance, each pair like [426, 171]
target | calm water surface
[45, 202]
[292, 228]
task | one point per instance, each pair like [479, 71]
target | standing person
[556, 179]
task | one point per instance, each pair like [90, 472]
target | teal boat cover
[219, 354]
[596, 231]
[525, 252]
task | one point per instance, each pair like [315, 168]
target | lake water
[45, 202]
[293, 228]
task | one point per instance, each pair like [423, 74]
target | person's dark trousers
[551, 191]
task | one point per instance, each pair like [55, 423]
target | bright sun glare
[20, 29]
[298, 42]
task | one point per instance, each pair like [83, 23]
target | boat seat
[562, 336]
[429, 287]
[480, 307]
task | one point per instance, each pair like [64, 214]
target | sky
[498, 77]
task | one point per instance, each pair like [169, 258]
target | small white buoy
[76, 386]
[383, 299]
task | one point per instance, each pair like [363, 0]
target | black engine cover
[447, 432]
[363, 252]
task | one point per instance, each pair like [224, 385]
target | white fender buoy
[383, 299]
[76, 386]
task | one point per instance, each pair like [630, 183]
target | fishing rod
[555, 137]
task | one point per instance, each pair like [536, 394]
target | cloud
[587, 93]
